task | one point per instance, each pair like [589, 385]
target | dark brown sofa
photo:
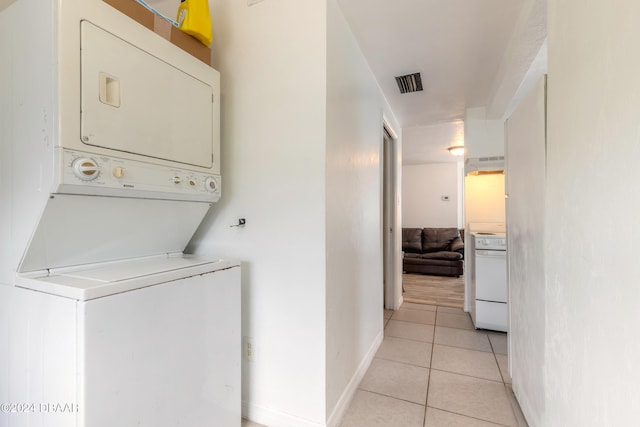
[437, 251]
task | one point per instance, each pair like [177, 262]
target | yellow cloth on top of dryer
[194, 19]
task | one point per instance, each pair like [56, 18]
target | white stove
[489, 288]
[490, 240]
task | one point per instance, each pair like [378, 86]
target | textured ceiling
[470, 53]
[428, 144]
[457, 46]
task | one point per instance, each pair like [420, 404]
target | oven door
[491, 275]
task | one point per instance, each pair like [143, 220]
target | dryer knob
[85, 169]
[118, 171]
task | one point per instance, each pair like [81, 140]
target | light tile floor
[434, 369]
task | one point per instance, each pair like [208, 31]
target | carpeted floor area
[434, 290]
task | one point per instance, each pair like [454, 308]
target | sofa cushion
[458, 245]
[442, 255]
[438, 239]
[412, 255]
[433, 261]
[412, 240]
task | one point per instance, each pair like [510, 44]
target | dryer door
[134, 102]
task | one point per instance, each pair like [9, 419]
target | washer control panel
[84, 173]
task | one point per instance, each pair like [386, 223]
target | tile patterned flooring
[434, 369]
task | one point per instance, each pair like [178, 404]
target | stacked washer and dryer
[109, 162]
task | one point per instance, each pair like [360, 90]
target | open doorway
[432, 241]
[392, 267]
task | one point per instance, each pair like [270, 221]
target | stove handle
[490, 253]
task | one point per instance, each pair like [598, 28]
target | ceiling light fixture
[456, 150]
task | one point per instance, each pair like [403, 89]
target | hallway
[434, 370]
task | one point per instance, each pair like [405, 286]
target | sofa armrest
[457, 245]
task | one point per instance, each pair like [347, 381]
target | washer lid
[78, 230]
[100, 280]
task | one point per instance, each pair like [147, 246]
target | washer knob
[210, 184]
[85, 169]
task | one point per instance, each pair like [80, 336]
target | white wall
[520, 67]
[272, 59]
[423, 188]
[27, 115]
[482, 137]
[484, 198]
[592, 229]
[525, 182]
[354, 301]
[301, 133]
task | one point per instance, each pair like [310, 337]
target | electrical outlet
[248, 349]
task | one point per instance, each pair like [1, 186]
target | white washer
[146, 342]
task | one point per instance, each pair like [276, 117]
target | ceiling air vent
[409, 83]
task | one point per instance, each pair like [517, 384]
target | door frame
[391, 168]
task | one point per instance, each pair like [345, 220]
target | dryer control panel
[84, 173]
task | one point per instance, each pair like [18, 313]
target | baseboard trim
[347, 395]
[270, 418]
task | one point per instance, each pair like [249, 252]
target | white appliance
[147, 342]
[109, 161]
[489, 287]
